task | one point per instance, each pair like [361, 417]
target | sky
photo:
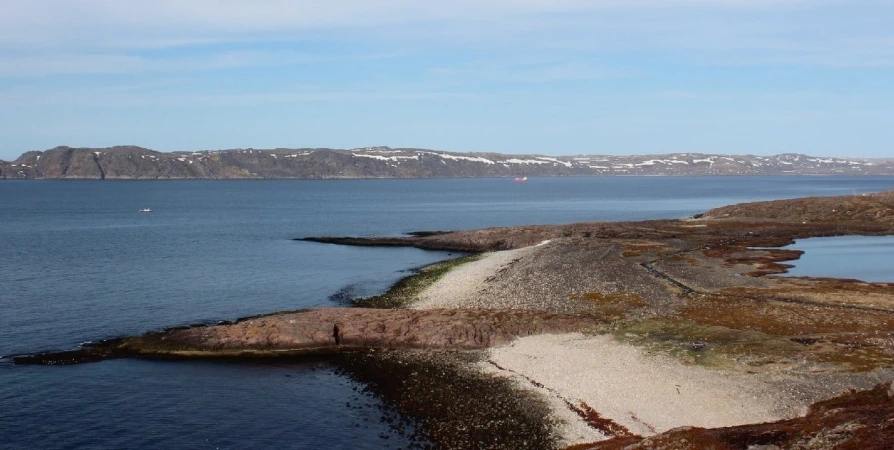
[557, 77]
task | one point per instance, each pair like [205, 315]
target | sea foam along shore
[634, 390]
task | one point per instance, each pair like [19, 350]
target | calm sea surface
[80, 263]
[867, 258]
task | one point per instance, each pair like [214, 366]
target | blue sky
[513, 76]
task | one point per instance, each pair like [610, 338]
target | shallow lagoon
[867, 258]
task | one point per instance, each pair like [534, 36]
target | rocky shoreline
[609, 334]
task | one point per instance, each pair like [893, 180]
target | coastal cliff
[131, 162]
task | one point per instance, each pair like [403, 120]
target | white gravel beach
[460, 287]
[645, 393]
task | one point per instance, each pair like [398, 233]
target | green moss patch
[408, 289]
[752, 335]
[711, 346]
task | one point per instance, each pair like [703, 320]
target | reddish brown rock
[335, 329]
[855, 420]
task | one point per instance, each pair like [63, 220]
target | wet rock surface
[449, 403]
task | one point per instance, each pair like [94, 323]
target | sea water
[866, 258]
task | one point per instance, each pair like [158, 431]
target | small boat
[521, 180]
[145, 210]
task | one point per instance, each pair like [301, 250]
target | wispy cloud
[118, 63]
[529, 71]
[178, 94]
[254, 15]
[678, 95]
[174, 22]
[807, 31]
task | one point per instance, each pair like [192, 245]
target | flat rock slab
[368, 328]
[329, 331]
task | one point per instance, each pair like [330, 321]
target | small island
[604, 335]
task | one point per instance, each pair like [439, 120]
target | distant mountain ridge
[131, 162]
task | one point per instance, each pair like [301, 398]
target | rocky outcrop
[863, 208]
[778, 222]
[328, 331]
[130, 162]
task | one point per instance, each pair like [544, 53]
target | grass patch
[634, 249]
[783, 319]
[407, 290]
[710, 346]
[612, 306]
[750, 335]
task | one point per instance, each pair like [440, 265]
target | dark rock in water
[88, 353]
[426, 233]
[60, 358]
[425, 242]
[344, 296]
[443, 400]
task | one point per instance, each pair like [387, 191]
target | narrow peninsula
[675, 334]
